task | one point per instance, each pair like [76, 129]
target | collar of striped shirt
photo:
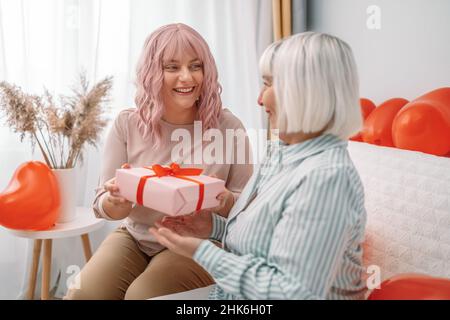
[285, 154]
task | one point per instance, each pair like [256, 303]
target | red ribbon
[175, 171]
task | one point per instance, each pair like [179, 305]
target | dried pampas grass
[61, 131]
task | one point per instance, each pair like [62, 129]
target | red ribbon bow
[175, 171]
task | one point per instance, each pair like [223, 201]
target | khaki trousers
[120, 270]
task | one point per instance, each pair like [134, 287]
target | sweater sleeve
[114, 156]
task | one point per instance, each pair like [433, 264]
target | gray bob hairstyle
[316, 84]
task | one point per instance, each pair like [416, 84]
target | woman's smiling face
[183, 78]
[266, 99]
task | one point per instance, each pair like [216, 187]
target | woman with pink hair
[177, 91]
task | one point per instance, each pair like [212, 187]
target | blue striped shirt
[296, 230]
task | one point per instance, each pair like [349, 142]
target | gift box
[172, 190]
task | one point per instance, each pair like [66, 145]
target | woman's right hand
[114, 205]
[197, 224]
[114, 196]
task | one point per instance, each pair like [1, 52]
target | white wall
[407, 57]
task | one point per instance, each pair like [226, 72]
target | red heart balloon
[413, 287]
[378, 125]
[424, 124]
[31, 201]
[367, 106]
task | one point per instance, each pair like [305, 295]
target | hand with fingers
[114, 205]
[182, 245]
[226, 199]
[197, 224]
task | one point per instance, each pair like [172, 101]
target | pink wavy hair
[166, 42]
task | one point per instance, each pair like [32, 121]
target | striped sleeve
[218, 227]
[307, 246]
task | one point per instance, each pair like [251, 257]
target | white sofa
[407, 198]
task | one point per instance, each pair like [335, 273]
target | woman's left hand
[185, 246]
[226, 199]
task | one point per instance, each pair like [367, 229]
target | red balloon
[412, 287]
[424, 124]
[367, 106]
[357, 137]
[31, 201]
[378, 125]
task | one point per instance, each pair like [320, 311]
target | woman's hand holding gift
[114, 205]
[226, 199]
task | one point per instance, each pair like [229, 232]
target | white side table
[84, 223]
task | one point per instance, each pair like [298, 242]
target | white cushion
[407, 197]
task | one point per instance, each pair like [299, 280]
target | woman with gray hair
[296, 232]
